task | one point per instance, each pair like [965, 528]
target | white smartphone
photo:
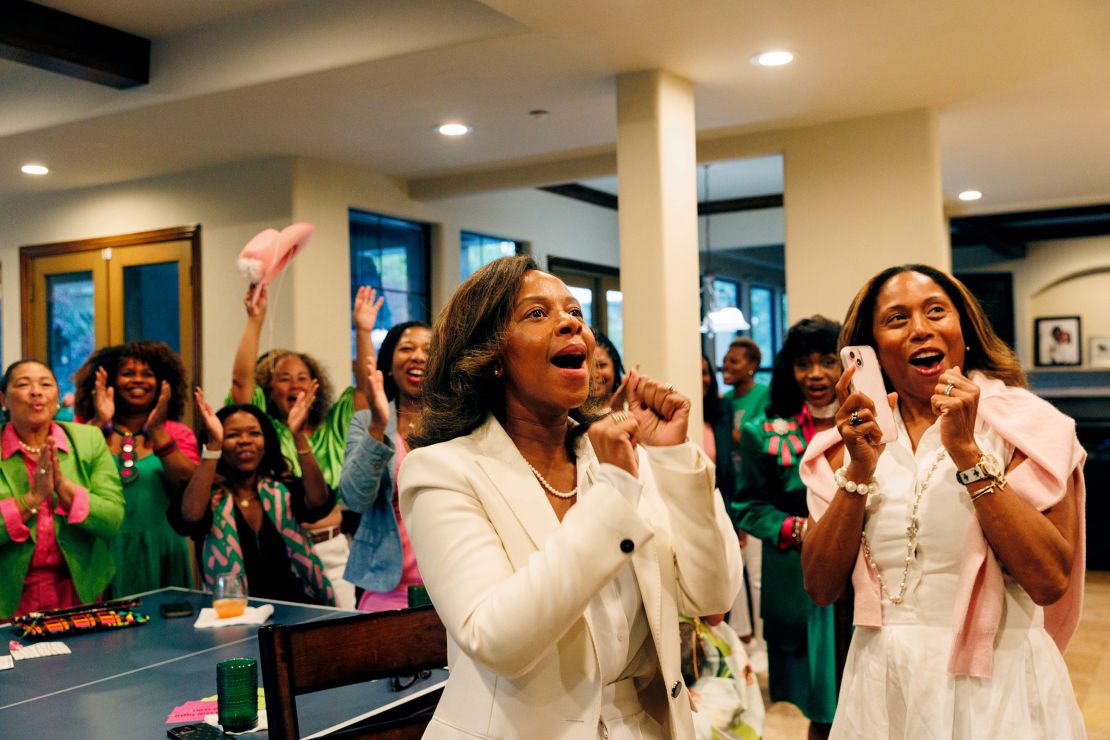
[868, 380]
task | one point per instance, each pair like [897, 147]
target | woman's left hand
[298, 414]
[957, 410]
[662, 412]
[157, 416]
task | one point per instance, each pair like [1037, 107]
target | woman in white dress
[968, 577]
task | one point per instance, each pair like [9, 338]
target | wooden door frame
[191, 234]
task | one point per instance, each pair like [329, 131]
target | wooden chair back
[303, 658]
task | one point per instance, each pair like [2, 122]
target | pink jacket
[1047, 437]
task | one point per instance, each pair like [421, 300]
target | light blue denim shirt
[366, 486]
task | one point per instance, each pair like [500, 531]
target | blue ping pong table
[124, 683]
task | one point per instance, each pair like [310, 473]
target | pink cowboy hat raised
[270, 251]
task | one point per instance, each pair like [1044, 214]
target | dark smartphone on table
[172, 609]
[197, 731]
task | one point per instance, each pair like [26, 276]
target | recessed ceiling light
[970, 195]
[34, 169]
[453, 129]
[775, 58]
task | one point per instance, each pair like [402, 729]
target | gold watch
[987, 467]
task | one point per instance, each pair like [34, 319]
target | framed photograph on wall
[1057, 341]
[1100, 351]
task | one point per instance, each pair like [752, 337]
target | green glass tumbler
[418, 596]
[237, 693]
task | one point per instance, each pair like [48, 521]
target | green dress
[148, 554]
[328, 441]
[800, 641]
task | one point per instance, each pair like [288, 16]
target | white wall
[1059, 278]
[231, 204]
[309, 305]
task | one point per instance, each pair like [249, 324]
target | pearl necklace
[911, 539]
[29, 448]
[550, 489]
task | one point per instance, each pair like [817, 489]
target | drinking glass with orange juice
[229, 598]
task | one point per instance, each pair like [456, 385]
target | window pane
[614, 305]
[151, 308]
[763, 324]
[390, 255]
[69, 321]
[726, 293]
[478, 250]
[585, 297]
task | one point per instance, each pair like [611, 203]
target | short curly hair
[161, 359]
[264, 374]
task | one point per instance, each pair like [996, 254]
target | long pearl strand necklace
[550, 489]
[911, 539]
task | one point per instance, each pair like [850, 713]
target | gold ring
[854, 420]
[948, 389]
[670, 388]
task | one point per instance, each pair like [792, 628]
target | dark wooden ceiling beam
[968, 233]
[59, 42]
[708, 208]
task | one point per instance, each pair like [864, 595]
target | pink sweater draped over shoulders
[1054, 456]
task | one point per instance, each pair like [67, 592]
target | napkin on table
[252, 615]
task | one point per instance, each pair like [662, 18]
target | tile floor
[1088, 660]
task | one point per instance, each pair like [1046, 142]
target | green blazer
[84, 546]
[768, 491]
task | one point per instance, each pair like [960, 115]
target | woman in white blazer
[558, 560]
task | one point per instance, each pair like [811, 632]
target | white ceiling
[1022, 86]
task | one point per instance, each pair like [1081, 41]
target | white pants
[739, 618]
[333, 554]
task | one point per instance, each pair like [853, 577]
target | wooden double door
[79, 296]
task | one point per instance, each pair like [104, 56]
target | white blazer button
[676, 689]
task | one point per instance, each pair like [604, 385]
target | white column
[656, 169]
[860, 196]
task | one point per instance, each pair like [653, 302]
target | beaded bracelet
[861, 489]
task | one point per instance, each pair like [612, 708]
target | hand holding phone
[868, 380]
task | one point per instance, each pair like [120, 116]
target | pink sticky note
[192, 711]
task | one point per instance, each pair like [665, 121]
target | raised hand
[662, 412]
[957, 409]
[256, 309]
[212, 422]
[614, 439]
[157, 416]
[104, 398]
[298, 414]
[366, 309]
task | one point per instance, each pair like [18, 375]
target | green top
[85, 545]
[748, 406]
[147, 552]
[328, 441]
